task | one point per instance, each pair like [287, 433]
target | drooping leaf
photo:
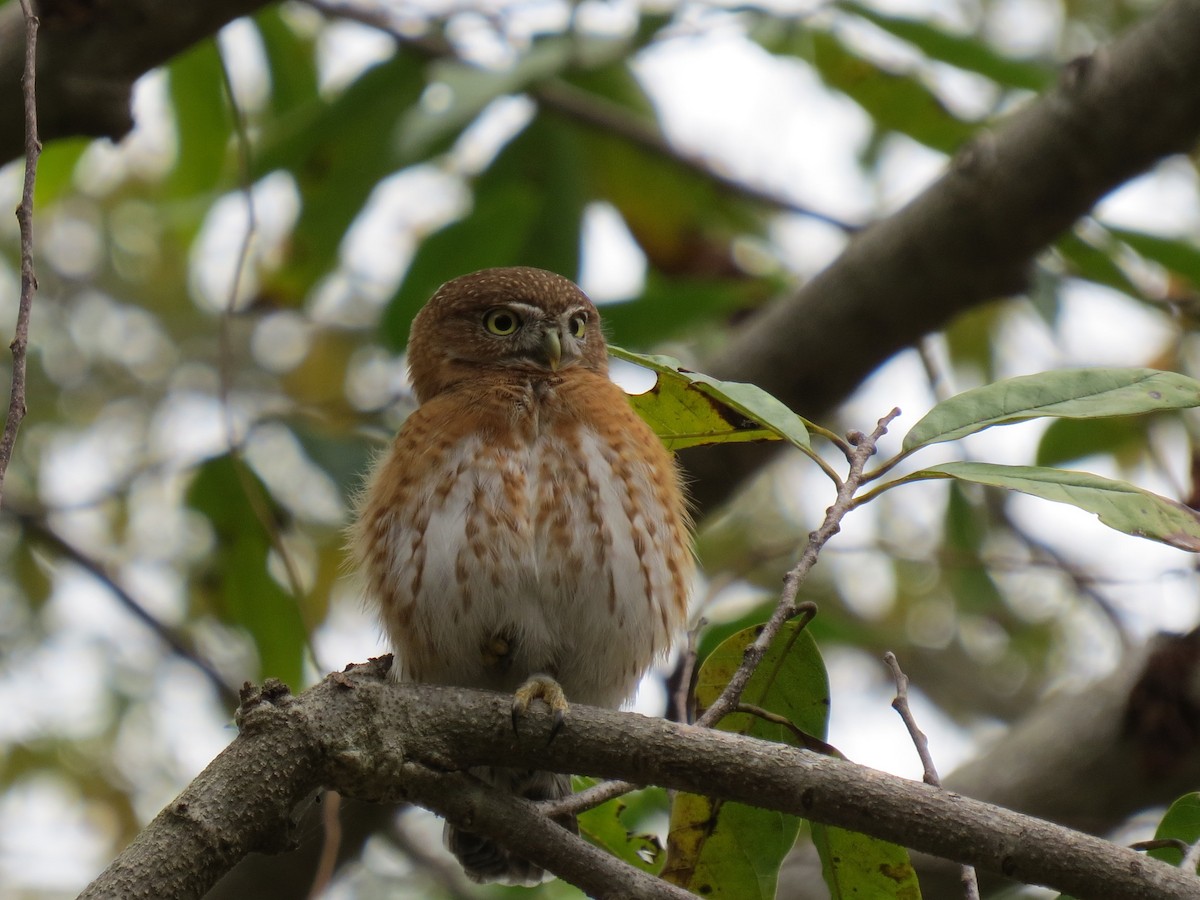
[1118, 504]
[965, 51]
[1085, 260]
[687, 409]
[668, 307]
[1068, 393]
[729, 850]
[1179, 256]
[238, 584]
[203, 123]
[896, 102]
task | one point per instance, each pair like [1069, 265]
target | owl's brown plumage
[526, 521]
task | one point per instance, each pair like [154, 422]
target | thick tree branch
[371, 739]
[972, 236]
[89, 56]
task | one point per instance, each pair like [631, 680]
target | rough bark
[373, 740]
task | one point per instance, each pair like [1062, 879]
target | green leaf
[528, 211]
[338, 150]
[290, 60]
[729, 850]
[203, 124]
[238, 585]
[894, 101]
[857, 865]
[1119, 505]
[1068, 393]
[1180, 822]
[961, 50]
[687, 409]
[605, 826]
[1070, 439]
[1179, 256]
[670, 306]
[1085, 260]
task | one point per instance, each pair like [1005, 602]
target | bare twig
[20, 341]
[862, 448]
[1162, 844]
[900, 704]
[803, 738]
[178, 644]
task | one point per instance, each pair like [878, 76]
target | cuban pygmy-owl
[526, 523]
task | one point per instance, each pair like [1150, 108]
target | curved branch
[973, 235]
[361, 735]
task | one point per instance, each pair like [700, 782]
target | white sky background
[761, 119]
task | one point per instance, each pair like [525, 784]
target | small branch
[921, 742]
[862, 448]
[20, 341]
[179, 646]
[683, 704]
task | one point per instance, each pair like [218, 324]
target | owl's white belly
[552, 557]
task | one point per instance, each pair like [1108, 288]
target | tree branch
[371, 739]
[970, 237]
[90, 55]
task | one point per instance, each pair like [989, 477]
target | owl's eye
[501, 321]
[578, 325]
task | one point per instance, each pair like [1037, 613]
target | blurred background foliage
[225, 297]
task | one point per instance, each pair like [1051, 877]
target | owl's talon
[541, 687]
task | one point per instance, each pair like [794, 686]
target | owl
[527, 532]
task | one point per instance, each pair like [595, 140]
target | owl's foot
[541, 687]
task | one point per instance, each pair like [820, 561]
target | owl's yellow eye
[578, 325]
[501, 321]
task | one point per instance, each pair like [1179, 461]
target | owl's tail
[481, 858]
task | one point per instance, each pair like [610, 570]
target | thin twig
[1162, 844]
[20, 341]
[803, 738]
[862, 448]
[900, 704]
[178, 644]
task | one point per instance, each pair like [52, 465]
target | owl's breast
[556, 545]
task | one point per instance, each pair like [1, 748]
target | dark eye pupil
[502, 322]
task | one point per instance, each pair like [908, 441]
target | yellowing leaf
[687, 409]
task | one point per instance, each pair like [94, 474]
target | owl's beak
[552, 347]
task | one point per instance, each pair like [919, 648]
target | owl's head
[522, 319]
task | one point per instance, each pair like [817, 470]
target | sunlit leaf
[1119, 505]
[687, 409]
[728, 850]
[1067, 393]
